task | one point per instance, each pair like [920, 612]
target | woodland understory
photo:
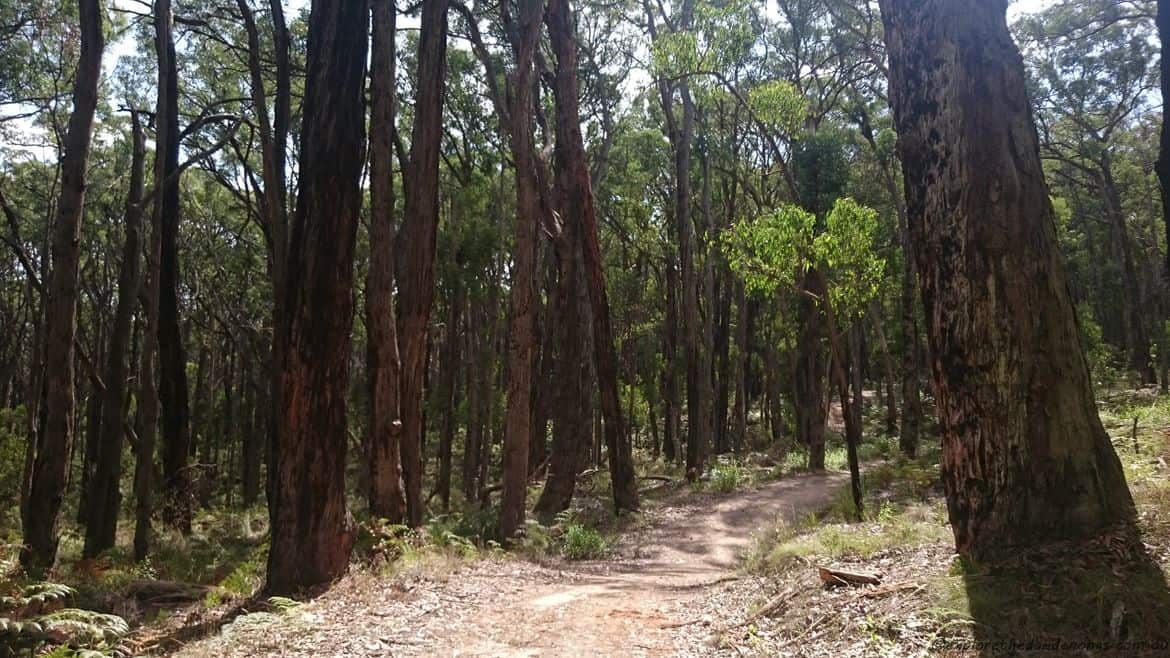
[700, 327]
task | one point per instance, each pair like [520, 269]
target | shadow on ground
[1106, 597]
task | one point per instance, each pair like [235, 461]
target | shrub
[727, 477]
[582, 543]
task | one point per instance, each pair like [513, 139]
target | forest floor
[651, 596]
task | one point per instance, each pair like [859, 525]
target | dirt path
[647, 602]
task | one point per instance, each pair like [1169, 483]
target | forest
[612, 327]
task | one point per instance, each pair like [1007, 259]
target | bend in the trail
[647, 601]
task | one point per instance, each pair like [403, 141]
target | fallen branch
[833, 577]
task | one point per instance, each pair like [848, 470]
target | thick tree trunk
[579, 202]
[1025, 457]
[416, 243]
[311, 528]
[105, 497]
[50, 463]
[386, 495]
[522, 294]
[172, 358]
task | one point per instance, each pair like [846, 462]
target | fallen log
[834, 577]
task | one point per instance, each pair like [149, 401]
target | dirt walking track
[646, 602]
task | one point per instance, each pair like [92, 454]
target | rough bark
[50, 463]
[522, 294]
[172, 358]
[1025, 457]
[416, 243]
[104, 496]
[311, 532]
[572, 157]
[387, 496]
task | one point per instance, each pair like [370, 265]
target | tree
[578, 192]
[105, 497]
[312, 532]
[1025, 457]
[384, 370]
[1163, 164]
[416, 243]
[50, 466]
[525, 36]
[172, 357]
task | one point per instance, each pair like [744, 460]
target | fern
[35, 617]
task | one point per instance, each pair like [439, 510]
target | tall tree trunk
[1163, 164]
[416, 243]
[383, 369]
[522, 295]
[50, 463]
[172, 359]
[579, 201]
[311, 532]
[1025, 457]
[105, 497]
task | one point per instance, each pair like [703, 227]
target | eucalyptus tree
[1025, 458]
[312, 531]
[51, 460]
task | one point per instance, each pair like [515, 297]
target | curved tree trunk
[311, 532]
[51, 461]
[1025, 457]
